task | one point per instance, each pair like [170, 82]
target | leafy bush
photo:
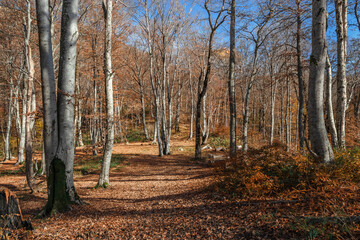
[135, 135]
[219, 142]
[271, 170]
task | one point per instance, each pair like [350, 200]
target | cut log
[10, 212]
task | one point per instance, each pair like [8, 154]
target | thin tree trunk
[9, 123]
[231, 82]
[95, 120]
[109, 74]
[205, 75]
[288, 115]
[272, 110]
[341, 7]
[143, 114]
[301, 130]
[191, 105]
[29, 113]
[328, 104]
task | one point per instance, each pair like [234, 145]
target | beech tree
[29, 113]
[61, 189]
[50, 130]
[341, 7]
[203, 79]
[109, 74]
[319, 140]
[258, 35]
[232, 97]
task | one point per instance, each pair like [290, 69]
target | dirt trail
[151, 198]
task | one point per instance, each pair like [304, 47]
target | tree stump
[10, 212]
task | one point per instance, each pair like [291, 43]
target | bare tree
[61, 189]
[50, 133]
[231, 82]
[29, 114]
[258, 36]
[109, 74]
[341, 7]
[204, 76]
[320, 144]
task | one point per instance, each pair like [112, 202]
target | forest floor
[171, 197]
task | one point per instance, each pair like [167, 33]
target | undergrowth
[327, 192]
[93, 164]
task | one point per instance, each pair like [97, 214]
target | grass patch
[135, 135]
[93, 164]
[21, 170]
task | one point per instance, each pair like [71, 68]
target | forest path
[150, 197]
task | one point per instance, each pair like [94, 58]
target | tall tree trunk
[109, 74]
[301, 130]
[9, 123]
[204, 120]
[341, 7]
[203, 80]
[272, 110]
[320, 144]
[178, 106]
[20, 119]
[61, 169]
[231, 82]
[29, 113]
[95, 120]
[191, 105]
[288, 115]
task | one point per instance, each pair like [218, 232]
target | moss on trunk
[57, 200]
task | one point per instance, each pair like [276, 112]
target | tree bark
[341, 7]
[320, 144]
[203, 79]
[29, 114]
[9, 123]
[231, 82]
[109, 74]
[63, 162]
[191, 132]
[328, 103]
[301, 130]
[50, 131]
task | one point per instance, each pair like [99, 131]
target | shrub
[271, 170]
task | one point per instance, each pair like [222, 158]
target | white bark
[109, 74]
[341, 7]
[66, 90]
[29, 114]
[317, 132]
[329, 105]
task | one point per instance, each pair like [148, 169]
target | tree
[320, 144]
[258, 36]
[301, 128]
[109, 74]
[203, 79]
[231, 82]
[341, 7]
[61, 189]
[29, 113]
[50, 132]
